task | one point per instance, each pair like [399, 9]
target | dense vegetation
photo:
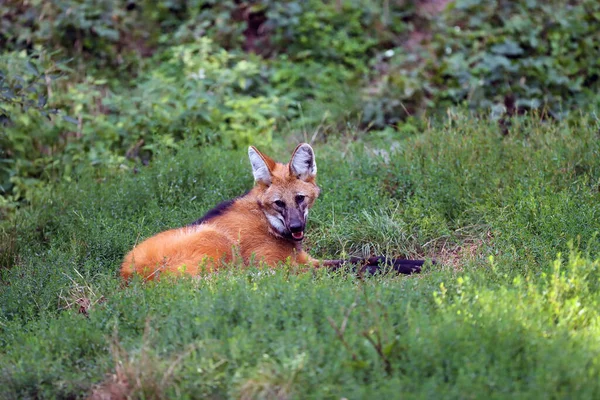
[460, 131]
[107, 82]
[502, 313]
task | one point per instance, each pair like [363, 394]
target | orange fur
[242, 230]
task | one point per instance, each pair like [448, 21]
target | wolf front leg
[372, 265]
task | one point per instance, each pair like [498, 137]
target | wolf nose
[296, 227]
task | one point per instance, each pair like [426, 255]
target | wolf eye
[279, 203]
[300, 198]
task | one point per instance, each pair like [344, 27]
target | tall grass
[510, 309]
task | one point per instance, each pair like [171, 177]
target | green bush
[496, 57]
[197, 91]
[145, 74]
[27, 145]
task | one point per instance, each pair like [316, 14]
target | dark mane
[220, 209]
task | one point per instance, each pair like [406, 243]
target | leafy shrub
[497, 57]
[26, 143]
[541, 53]
[107, 35]
[145, 74]
[196, 91]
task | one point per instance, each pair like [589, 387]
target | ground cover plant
[510, 309]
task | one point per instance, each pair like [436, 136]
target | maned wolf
[266, 225]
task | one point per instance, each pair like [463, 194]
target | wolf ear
[261, 166]
[303, 164]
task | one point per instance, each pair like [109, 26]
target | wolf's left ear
[303, 164]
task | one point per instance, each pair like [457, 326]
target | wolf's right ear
[261, 166]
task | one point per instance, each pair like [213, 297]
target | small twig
[48, 85]
[377, 345]
[342, 329]
[157, 270]
[167, 375]
[379, 349]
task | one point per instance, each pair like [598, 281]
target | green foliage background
[104, 82]
[463, 131]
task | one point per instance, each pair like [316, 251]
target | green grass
[510, 309]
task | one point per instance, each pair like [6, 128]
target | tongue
[297, 235]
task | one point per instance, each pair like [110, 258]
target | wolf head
[286, 191]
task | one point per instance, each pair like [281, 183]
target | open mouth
[298, 235]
